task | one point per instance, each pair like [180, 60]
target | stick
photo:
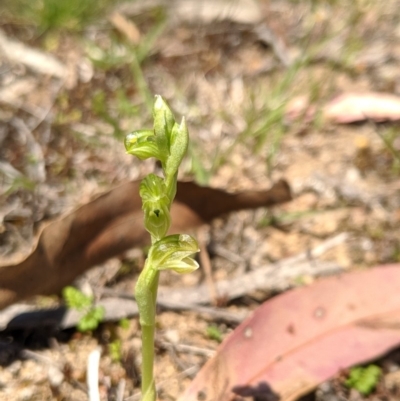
[273, 277]
[93, 375]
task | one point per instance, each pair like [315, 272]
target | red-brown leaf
[347, 108]
[305, 336]
[353, 107]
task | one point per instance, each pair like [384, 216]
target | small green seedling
[214, 333]
[167, 142]
[124, 323]
[364, 379]
[92, 315]
[115, 350]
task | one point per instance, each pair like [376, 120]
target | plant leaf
[174, 252]
[363, 379]
[143, 145]
[76, 299]
[91, 319]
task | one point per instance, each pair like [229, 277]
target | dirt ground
[237, 73]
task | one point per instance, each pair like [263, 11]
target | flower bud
[164, 122]
[174, 252]
[143, 145]
[178, 147]
[156, 204]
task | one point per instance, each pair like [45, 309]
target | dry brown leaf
[126, 27]
[348, 108]
[110, 225]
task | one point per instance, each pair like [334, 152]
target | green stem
[170, 145]
[146, 298]
[171, 184]
[148, 385]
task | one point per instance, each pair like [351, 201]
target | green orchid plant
[167, 142]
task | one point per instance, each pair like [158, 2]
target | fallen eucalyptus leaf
[298, 339]
[353, 107]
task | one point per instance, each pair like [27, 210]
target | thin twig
[93, 375]
[217, 313]
[272, 277]
[206, 263]
[26, 353]
[189, 349]
[34, 59]
[36, 171]
[228, 255]
[120, 390]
